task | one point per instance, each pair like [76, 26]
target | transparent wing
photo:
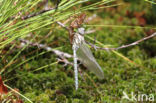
[85, 55]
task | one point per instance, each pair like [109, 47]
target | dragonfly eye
[81, 31]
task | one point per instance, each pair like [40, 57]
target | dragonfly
[81, 51]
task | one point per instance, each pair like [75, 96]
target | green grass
[39, 77]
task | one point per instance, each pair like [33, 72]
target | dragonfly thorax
[81, 31]
[78, 39]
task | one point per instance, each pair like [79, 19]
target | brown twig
[42, 11]
[86, 32]
[36, 14]
[62, 25]
[65, 61]
[62, 56]
[124, 46]
[57, 52]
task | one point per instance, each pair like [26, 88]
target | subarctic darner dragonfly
[80, 49]
[82, 52]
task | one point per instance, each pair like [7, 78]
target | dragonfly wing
[85, 55]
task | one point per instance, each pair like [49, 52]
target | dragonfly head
[81, 31]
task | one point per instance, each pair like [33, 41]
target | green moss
[55, 83]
